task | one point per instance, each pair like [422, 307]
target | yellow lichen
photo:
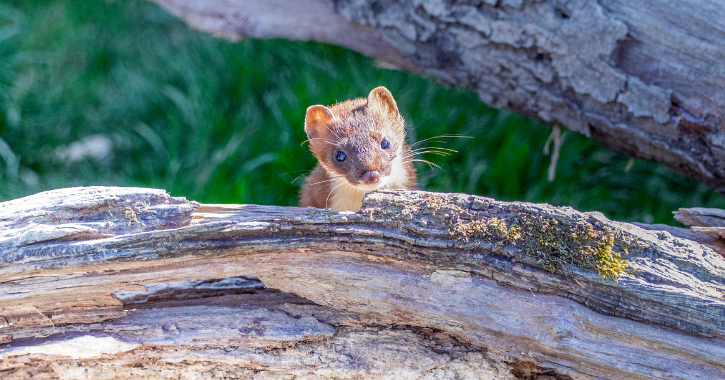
[548, 242]
[609, 263]
[551, 243]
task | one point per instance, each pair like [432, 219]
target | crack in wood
[448, 262]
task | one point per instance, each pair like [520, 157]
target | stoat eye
[340, 157]
[385, 144]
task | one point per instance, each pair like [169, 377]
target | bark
[415, 285]
[701, 217]
[639, 77]
[707, 224]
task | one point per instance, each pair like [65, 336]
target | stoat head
[359, 140]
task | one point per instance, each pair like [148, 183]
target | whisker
[445, 155]
[320, 138]
[298, 177]
[434, 150]
[293, 181]
[442, 136]
[435, 147]
[328, 195]
[297, 171]
[327, 180]
[431, 164]
[428, 152]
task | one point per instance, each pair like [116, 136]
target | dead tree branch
[638, 79]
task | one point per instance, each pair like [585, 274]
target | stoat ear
[382, 98]
[317, 120]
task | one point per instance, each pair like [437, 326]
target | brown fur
[356, 127]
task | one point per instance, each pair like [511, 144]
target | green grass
[222, 122]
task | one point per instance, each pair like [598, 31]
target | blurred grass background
[121, 93]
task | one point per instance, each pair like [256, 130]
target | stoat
[360, 147]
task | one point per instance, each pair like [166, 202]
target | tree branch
[641, 80]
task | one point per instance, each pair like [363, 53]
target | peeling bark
[708, 226]
[639, 77]
[415, 285]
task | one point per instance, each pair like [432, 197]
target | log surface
[432, 282]
[639, 77]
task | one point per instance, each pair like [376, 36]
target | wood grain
[407, 260]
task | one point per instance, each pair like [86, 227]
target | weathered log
[701, 217]
[639, 78]
[713, 242]
[707, 226]
[414, 283]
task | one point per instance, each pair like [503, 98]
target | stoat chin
[348, 197]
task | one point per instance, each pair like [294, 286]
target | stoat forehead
[360, 136]
[363, 130]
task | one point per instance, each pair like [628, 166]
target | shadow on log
[135, 283]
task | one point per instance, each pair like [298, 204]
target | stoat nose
[371, 177]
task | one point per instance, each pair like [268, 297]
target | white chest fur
[346, 197]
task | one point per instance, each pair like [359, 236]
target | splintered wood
[705, 222]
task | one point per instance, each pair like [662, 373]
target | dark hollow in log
[429, 282]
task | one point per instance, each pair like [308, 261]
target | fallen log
[639, 79]
[133, 282]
